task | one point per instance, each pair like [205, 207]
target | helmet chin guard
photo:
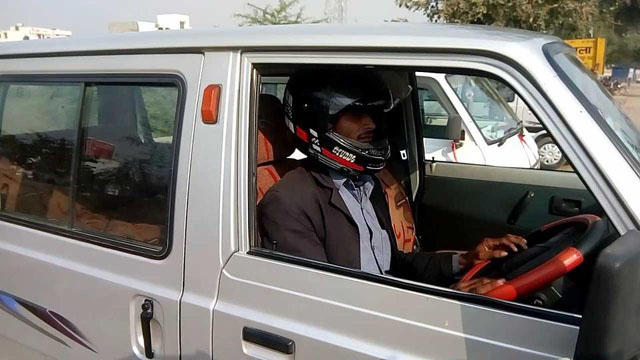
[314, 99]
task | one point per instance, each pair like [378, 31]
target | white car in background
[466, 120]
[551, 156]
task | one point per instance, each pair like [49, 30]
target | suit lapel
[335, 199]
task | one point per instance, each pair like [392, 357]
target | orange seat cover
[274, 144]
[400, 211]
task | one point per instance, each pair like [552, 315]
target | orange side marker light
[210, 103]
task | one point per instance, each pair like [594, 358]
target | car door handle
[562, 206]
[145, 322]
[520, 207]
[268, 340]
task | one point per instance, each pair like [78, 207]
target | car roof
[315, 36]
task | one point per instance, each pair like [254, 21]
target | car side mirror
[612, 313]
[454, 128]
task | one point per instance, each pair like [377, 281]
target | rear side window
[38, 137]
[94, 158]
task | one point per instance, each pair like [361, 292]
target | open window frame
[496, 66]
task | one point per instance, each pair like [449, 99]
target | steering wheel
[554, 250]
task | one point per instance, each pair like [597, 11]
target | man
[332, 209]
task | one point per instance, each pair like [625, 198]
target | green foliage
[160, 103]
[283, 13]
[430, 8]
[619, 22]
[616, 20]
[623, 16]
[564, 18]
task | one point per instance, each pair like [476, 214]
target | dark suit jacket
[304, 215]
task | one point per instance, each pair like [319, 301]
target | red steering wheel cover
[474, 270]
[542, 275]
[537, 278]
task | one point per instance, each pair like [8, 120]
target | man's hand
[478, 286]
[490, 248]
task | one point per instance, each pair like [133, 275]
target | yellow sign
[591, 52]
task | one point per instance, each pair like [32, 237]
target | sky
[91, 17]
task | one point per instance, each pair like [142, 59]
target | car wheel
[550, 155]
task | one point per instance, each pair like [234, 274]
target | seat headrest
[274, 141]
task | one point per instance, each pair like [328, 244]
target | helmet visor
[379, 100]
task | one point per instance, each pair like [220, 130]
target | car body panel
[96, 292]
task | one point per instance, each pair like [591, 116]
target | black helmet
[314, 99]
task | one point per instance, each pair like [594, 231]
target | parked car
[131, 166]
[491, 133]
[550, 155]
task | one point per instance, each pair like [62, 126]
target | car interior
[439, 206]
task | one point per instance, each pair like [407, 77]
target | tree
[564, 18]
[622, 16]
[283, 13]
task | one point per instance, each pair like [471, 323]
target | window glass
[160, 105]
[32, 108]
[489, 111]
[126, 161]
[38, 134]
[435, 108]
[596, 98]
[274, 85]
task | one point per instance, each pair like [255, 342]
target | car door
[459, 205]
[95, 160]
[276, 306]
[463, 203]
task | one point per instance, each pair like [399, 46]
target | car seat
[274, 144]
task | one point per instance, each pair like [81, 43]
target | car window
[435, 108]
[123, 185]
[40, 108]
[456, 203]
[159, 104]
[596, 99]
[38, 137]
[485, 105]
[113, 179]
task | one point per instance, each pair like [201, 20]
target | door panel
[64, 298]
[461, 204]
[339, 317]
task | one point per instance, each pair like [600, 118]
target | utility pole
[335, 11]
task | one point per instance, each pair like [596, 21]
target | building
[126, 26]
[21, 32]
[163, 22]
[173, 22]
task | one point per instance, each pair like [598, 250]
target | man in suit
[331, 208]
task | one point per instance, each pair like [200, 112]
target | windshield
[595, 98]
[489, 111]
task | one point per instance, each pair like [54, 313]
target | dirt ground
[629, 102]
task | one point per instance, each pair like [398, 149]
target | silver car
[131, 165]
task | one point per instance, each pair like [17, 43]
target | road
[629, 102]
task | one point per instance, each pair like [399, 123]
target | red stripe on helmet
[340, 160]
[302, 134]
